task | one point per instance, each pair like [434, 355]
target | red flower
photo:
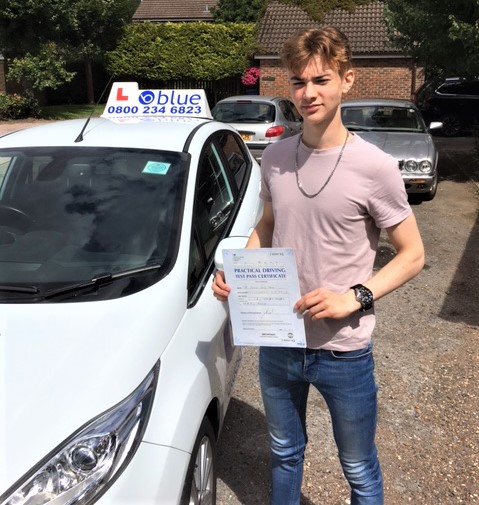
[250, 76]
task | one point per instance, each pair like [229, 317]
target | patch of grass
[70, 111]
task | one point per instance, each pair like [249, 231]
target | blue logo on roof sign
[147, 97]
[126, 101]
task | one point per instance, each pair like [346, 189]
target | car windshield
[387, 118]
[68, 215]
[244, 112]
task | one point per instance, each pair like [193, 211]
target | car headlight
[410, 166]
[86, 464]
[424, 167]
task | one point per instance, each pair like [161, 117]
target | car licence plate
[245, 136]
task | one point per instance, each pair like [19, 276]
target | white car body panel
[152, 477]
[48, 350]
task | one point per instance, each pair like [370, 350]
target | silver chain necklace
[298, 182]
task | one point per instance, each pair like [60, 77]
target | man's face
[317, 91]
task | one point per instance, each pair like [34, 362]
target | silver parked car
[260, 120]
[397, 127]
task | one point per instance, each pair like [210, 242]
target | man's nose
[309, 90]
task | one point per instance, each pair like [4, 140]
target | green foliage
[27, 25]
[18, 107]
[33, 31]
[442, 35]
[238, 11]
[42, 71]
[317, 9]
[176, 50]
[94, 26]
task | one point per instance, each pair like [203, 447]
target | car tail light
[274, 131]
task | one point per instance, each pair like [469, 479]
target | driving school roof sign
[127, 101]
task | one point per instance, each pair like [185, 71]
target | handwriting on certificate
[264, 288]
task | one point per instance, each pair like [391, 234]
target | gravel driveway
[426, 350]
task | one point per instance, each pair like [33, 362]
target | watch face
[364, 296]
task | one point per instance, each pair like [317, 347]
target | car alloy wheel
[200, 483]
[451, 124]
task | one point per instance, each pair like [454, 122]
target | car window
[382, 118]
[237, 157]
[469, 88]
[289, 111]
[75, 213]
[460, 88]
[297, 115]
[213, 206]
[244, 111]
[286, 110]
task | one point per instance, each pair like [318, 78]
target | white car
[117, 363]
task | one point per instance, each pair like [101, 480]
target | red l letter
[120, 95]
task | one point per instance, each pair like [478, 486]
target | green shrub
[18, 107]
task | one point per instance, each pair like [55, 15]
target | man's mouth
[310, 108]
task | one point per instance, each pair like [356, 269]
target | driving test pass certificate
[264, 288]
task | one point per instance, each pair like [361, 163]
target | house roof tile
[175, 10]
[365, 27]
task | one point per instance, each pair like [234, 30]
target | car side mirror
[435, 125]
[228, 243]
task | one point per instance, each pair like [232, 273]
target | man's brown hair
[329, 43]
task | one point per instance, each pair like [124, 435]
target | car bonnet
[64, 364]
[402, 145]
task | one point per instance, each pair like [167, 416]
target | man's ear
[348, 80]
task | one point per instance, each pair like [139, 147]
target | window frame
[205, 263]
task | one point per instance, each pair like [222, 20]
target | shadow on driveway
[246, 437]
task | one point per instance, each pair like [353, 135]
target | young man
[327, 193]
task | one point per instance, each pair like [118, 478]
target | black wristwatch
[364, 296]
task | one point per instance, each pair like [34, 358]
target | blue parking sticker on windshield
[156, 167]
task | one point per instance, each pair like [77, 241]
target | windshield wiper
[98, 281]
[31, 290]
[357, 128]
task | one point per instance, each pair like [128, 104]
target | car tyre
[200, 482]
[451, 124]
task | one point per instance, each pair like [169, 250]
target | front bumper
[155, 475]
[419, 183]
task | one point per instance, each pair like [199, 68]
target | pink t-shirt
[335, 234]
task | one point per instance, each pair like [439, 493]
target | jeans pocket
[356, 354]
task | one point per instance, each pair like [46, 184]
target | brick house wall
[375, 78]
[385, 78]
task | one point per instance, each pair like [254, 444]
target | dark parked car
[260, 120]
[453, 101]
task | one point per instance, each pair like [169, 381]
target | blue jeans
[346, 382]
